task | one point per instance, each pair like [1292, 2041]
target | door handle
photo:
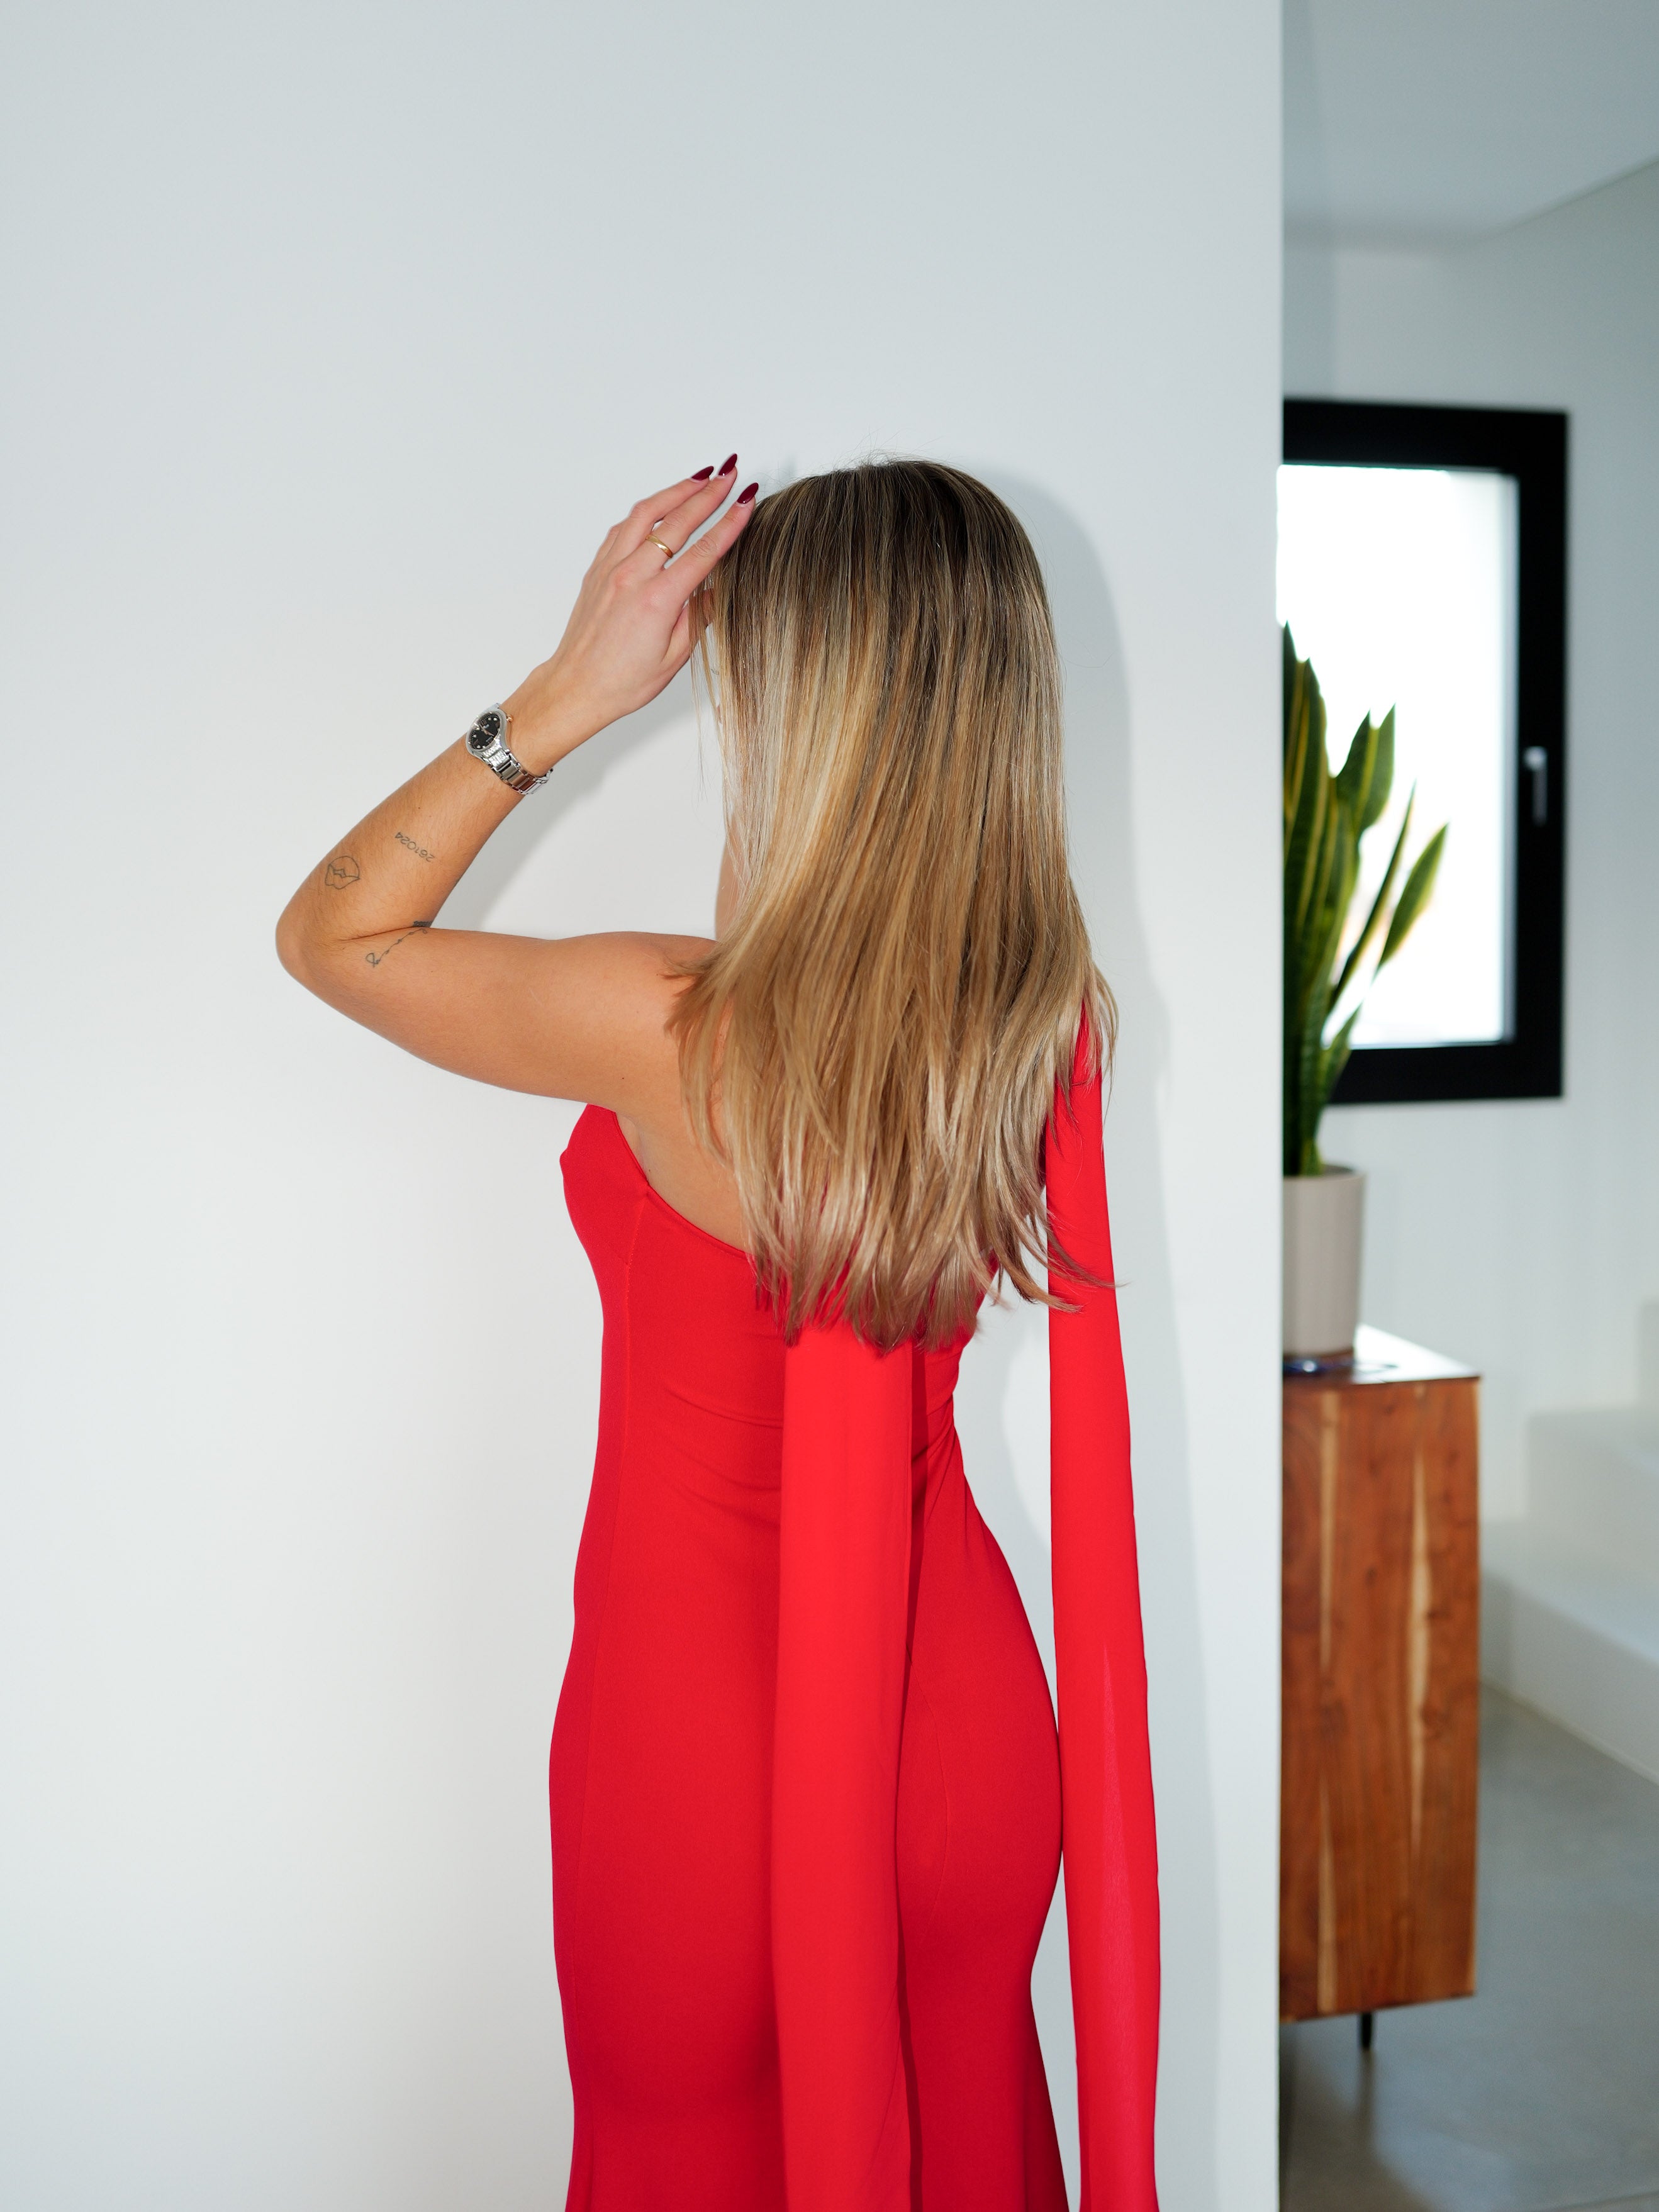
[1538, 760]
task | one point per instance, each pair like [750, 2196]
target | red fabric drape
[844, 1574]
[843, 1577]
[1110, 1844]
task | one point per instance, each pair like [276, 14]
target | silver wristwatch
[487, 742]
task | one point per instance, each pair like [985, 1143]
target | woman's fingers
[673, 531]
[693, 568]
[648, 514]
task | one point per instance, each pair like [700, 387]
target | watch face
[485, 731]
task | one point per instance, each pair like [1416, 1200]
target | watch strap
[487, 741]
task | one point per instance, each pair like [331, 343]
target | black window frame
[1530, 446]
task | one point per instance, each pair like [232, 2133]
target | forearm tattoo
[375, 959]
[419, 851]
[341, 872]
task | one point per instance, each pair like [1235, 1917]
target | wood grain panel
[1442, 1962]
[1380, 1591]
[1306, 1413]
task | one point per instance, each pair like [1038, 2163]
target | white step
[1575, 1633]
[1593, 1479]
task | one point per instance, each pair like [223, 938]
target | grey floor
[1541, 2092]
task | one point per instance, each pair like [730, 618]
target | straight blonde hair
[873, 1043]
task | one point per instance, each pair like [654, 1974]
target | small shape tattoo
[340, 872]
[419, 851]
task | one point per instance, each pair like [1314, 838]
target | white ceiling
[1428, 121]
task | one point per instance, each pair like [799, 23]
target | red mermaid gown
[806, 1794]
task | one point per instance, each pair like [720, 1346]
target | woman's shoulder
[649, 960]
[647, 973]
[615, 992]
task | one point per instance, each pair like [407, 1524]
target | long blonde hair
[872, 1044]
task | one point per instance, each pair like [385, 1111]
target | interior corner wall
[1522, 1235]
[348, 330]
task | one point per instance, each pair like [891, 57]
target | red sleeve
[844, 1564]
[1110, 1846]
[844, 1545]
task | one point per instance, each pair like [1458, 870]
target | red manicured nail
[747, 494]
[728, 466]
[701, 475]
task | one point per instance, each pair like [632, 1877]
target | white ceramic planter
[1324, 1219]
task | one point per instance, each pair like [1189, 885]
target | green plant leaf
[1328, 1068]
[1301, 687]
[1293, 673]
[1316, 866]
[1325, 933]
[1325, 816]
[1315, 911]
[1382, 782]
[1357, 773]
[1305, 829]
[1418, 891]
[1379, 905]
[1367, 775]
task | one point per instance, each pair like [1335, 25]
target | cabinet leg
[1367, 2029]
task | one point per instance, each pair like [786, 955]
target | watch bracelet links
[487, 742]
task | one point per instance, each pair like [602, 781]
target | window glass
[1400, 586]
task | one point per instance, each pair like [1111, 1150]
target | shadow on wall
[1003, 1396]
[574, 781]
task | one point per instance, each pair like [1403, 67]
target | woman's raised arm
[578, 1018]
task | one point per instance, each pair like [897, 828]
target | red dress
[806, 1794]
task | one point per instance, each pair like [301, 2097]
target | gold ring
[661, 548]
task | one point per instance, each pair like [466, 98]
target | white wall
[1522, 1235]
[347, 331]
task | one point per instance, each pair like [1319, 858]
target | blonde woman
[806, 1791]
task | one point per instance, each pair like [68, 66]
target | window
[1422, 567]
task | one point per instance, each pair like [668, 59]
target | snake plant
[1326, 815]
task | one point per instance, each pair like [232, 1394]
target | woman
[806, 1790]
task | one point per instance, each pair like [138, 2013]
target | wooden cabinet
[1380, 1683]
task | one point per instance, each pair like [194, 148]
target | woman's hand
[630, 632]
[583, 1018]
